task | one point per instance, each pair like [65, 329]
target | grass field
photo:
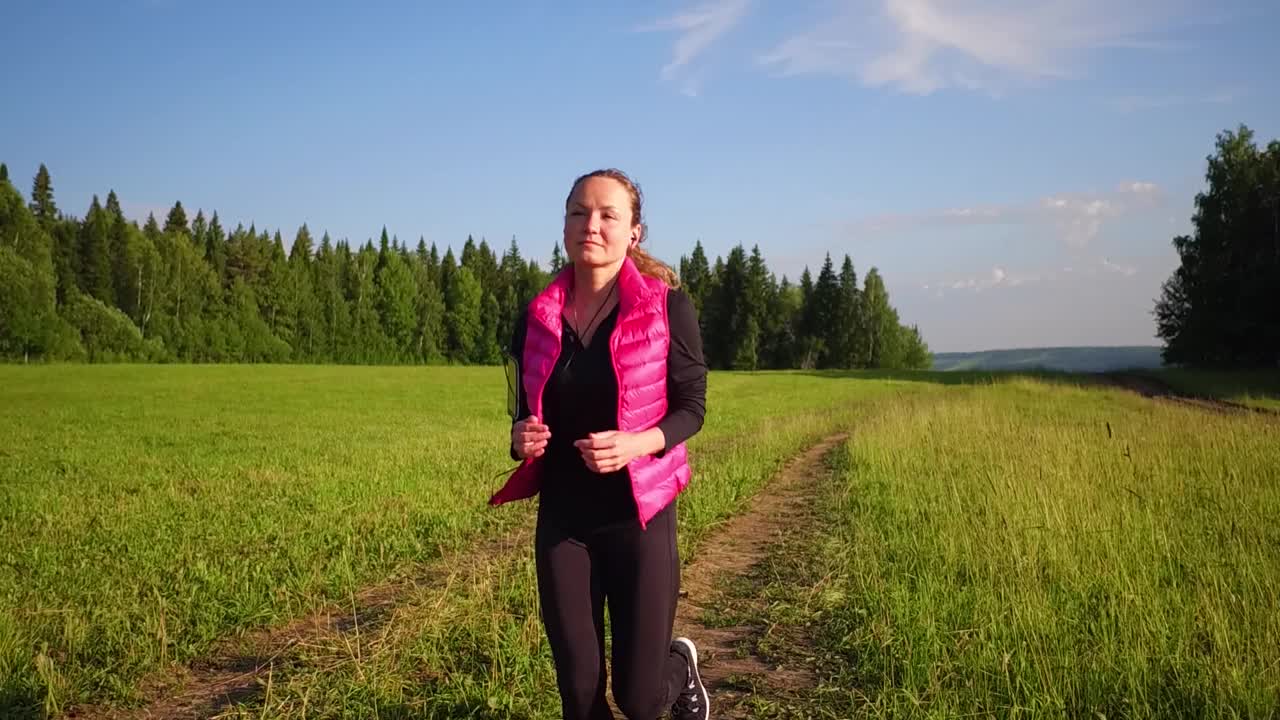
[148, 511]
[1035, 550]
[993, 547]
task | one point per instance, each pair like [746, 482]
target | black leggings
[638, 573]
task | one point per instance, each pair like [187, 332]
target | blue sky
[1015, 168]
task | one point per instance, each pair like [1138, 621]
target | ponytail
[653, 267]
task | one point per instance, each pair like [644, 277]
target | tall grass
[1036, 550]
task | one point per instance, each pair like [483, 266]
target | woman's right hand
[529, 437]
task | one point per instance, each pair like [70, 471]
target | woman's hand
[529, 438]
[606, 452]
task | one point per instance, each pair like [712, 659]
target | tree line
[103, 289]
[1221, 306]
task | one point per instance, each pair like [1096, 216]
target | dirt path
[726, 656]
[234, 671]
[1154, 388]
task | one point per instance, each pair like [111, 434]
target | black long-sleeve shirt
[581, 397]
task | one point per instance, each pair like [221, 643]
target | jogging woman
[612, 384]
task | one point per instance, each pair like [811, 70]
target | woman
[613, 383]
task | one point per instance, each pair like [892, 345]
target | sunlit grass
[146, 512]
[1028, 549]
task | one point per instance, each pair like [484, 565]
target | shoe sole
[693, 655]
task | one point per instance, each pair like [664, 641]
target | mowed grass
[1036, 550]
[146, 512]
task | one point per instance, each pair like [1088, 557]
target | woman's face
[598, 227]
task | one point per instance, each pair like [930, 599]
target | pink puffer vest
[639, 344]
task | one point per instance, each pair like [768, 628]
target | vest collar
[634, 289]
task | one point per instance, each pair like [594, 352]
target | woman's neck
[592, 284]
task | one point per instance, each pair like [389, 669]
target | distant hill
[1068, 359]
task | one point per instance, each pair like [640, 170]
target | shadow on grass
[958, 377]
[1251, 390]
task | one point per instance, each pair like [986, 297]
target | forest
[101, 288]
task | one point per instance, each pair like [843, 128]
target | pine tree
[113, 206]
[66, 257]
[822, 316]
[782, 341]
[122, 272]
[433, 267]
[727, 312]
[335, 315]
[429, 311]
[809, 342]
[756, 291]
[384, 247]
[215, 249]
[274, 299]
[848, 310]
[308, 341]
[463, 307]
[42, 205]
[558, 260]
[95, 255]
[177, 220]
[695, 275]
[487, 346]
[514, 294]
[369, 342]
[397, 305]
[199, 231]
[448, 268]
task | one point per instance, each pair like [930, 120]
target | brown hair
[645, 263]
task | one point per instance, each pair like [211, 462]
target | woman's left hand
[606, 452]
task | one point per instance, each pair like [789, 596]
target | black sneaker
[692, 703]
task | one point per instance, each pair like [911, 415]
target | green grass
[1036, 550]
[988, 544]
[146, 512]
[1255, 388]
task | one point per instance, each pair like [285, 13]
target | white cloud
[1139, 188]
[1075, 218]
[921, 46]
[997, 276]
[698, 30]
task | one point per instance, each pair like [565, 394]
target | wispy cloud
[699, 29]
[1075, 218]
[999, 277]
[922, 46]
